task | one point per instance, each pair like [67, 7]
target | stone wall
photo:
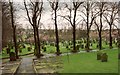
[0, 26]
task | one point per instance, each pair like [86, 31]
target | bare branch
[28, 13]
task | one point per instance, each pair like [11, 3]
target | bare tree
[76, 5]
[89, 18]
[111, 18]
[14, 28]
[102, 7]
[54, 6]
[36, 8]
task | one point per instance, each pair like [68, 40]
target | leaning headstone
[104, 57]
[12, 56]
[99, 55]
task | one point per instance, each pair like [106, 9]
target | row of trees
[90, 13]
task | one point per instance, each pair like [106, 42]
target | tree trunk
[14, 31]
[110, 37]
[74, 32]
[15, 42]
[57, 37]
[100, 40]
[35, 41]
[100, 37]
[38, 42]
[87, 43]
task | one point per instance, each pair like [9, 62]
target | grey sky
[46, 19]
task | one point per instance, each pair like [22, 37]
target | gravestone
[82, 46]
[119, 45]
[106, 43]
[77, 47]
[104, 57]
[12, 56]
[91, 44]
[44, 49]
[23, 46]
[67, 47]
[8, 50]
[20, 50]
[97, 46]
[29, 48]
[99, 55]
[119, 56]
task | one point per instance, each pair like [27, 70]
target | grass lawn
[87, 63]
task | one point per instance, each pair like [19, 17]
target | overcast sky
[46, 20]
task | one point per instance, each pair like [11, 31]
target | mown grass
[87, 63]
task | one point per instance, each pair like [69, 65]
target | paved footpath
[26, 66]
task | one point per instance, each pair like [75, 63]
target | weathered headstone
[12, 56]
[67, 47]
[104, 57]
[97, 46]
[119, 56]
[44, 49]
[77, 47]
[29, 48]
[8, 50]
[99, 54]
[82, 46]
[20, 50]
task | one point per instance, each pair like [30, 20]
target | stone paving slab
[26, 66]
[10, 66]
